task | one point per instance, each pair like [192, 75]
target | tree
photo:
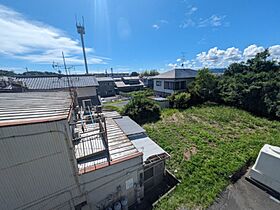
[204, 87]
[149, 73]
[142, 110]
[253, 86]
[134, 74]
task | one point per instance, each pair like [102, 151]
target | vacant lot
[207, 144]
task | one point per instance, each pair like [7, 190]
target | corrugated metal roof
[31, 107]
[148, 147]
[177, 74]
[142, 142]
[129, 126]
[104, 79]
[120, 148]
[121, 84]
[54, 82]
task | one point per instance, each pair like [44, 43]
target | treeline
[28, 73]
[253, 85]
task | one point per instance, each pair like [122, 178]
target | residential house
[128, 84]
[148, 81]
[175, 80]
[53, 155]
[106, 86]
[85, 86]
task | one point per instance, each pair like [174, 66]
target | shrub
[142, 110]
[179, 100]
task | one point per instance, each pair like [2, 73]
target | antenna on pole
[183, 59]
[67, 76]
[81, 30]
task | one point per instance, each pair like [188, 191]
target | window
[183, 85]
[149, 173]
[177, 85]
[169, 85]
[87, 103]
[158, 83]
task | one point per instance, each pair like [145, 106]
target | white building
[175, 80]
[55, 157]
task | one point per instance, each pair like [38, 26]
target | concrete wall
[106, 88]
[107, 185]
[87, 93]
[37, 170]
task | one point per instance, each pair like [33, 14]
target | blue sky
[131, 35]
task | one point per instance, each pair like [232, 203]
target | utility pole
[81, 31]
[65, 67]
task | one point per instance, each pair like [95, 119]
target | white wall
[161, 88]
[36, 168]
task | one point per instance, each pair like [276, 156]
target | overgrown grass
[224, 138]
[112, 107]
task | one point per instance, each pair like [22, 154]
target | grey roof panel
[128, 126]
[148, 147]
[54, 82]
[104, 79]
[177, 74]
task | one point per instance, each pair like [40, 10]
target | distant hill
[29, 73]
[218, 70]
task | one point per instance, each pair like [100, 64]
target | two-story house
[175, 80]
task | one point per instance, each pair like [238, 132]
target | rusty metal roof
[31, 107]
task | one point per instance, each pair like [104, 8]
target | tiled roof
[177, 74]
[54, 82]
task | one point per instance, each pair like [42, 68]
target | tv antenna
[81, 30]
[183, 59]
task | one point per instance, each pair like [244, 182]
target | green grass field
[207, 144]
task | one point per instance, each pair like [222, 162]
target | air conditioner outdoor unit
[266, 169]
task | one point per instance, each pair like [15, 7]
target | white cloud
[214, 21]
[252, 50]
[187, 23]
[172, 65]
[163, 21]
[275, 52]
[37, 42]
[219, 58]
[222, 58]
[191, 10]
[155, 26]
[159, 24]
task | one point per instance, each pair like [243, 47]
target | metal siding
[102, 184]
[34, 166]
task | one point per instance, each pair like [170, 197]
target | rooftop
[31, 107]
[151, 151]
[104, 79]
[121, 84]
[58, 82]
[91, 150]
[129, 126]
[177, 74]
